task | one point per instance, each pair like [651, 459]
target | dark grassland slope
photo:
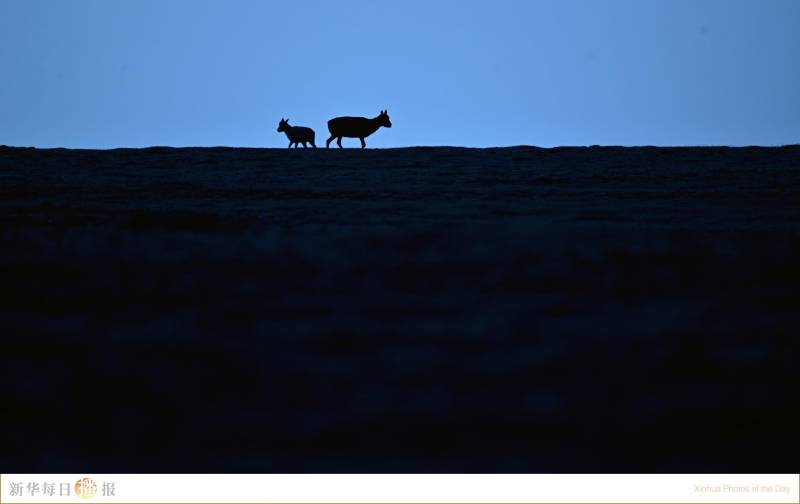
[406, 310]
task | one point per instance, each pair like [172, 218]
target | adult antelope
[356, 127]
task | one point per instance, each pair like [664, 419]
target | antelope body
[356, 127]
[297, 134]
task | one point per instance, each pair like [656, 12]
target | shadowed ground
[406, 310]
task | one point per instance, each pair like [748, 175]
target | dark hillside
[406, 310]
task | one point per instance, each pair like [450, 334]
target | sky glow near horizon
[133, 73]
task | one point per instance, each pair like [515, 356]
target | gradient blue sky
[109, 73]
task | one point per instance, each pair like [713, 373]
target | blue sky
[100, 73]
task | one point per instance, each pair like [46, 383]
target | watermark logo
[85, 488]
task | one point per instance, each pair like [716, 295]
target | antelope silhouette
[356, 127]
[297, 134]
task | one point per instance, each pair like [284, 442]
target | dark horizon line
[408, 147]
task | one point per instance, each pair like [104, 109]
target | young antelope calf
[356, 127]
[297, 134]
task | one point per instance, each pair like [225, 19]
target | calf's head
[283, 125]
